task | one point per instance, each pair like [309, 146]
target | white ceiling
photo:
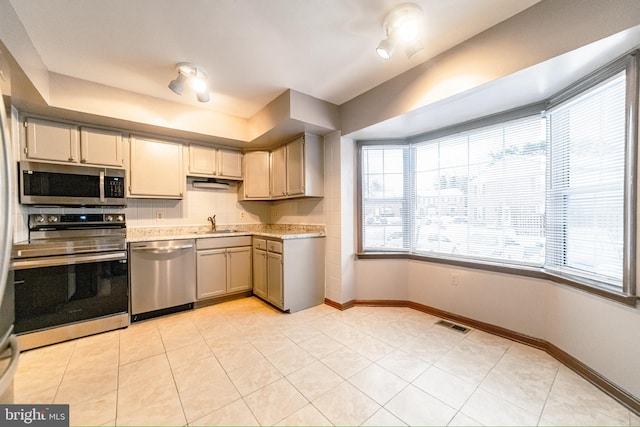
[253, 50]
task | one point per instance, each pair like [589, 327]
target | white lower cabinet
[223, 266]
[239, 269]
[275, 294]
[211, 278]
[289, 273]
[260, 272]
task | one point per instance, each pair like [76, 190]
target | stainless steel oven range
[71, 278]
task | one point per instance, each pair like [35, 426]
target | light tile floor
[245, 363]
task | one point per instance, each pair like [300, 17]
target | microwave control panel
[114, 187]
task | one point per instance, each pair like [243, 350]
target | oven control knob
[53, 219]
[108, 218]
[39, 219]
[120, 218]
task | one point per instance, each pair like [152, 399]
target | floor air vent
[452, 326]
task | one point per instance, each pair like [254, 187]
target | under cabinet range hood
[211, 183]
[46, 184]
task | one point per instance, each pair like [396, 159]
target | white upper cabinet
[202, 160]
[57, 142]
[229, 164]
[296, 169]
[278, 172]
[49, 141]
[101, 147]
[256, 176]
[305, 167]
[155, 169]
[214, 162]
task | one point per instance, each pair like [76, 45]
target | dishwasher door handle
[161, 250]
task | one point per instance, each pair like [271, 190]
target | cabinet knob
[71, 159]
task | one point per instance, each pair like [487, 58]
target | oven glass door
[55, 291]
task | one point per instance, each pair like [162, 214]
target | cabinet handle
[83, 160]
[71, 159]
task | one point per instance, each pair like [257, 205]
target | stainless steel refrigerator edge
[9, 351]
[162, 276]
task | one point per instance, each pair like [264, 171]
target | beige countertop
[277, 231]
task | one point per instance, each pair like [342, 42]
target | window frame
[628, 295]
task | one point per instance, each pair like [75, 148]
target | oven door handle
[67, 260]
[161, 250]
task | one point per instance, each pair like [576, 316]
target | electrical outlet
[241, 214]
[159, 215]
[454, 280]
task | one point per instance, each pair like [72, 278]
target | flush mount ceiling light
[402, 26]
[193, 74]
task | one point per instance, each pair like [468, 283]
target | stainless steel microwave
[49, 184]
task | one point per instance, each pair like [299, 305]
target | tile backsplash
[194, 209]
[197, 205]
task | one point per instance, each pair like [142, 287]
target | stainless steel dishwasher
[163, 277]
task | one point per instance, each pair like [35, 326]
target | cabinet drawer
[260, 244]
[222, 242]
[273, 246]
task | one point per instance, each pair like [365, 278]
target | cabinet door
[229, 164]
[260, 273]
[101, 147]
[256, 175]
[211, 280]
[275, 293]
[156, 169]
[239, 269]
[202, 160]
[46, 140]
[278, 172]
[295, 167]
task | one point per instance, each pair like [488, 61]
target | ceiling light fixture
[401, 26]
[188, 72]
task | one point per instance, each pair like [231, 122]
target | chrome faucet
[213, 222]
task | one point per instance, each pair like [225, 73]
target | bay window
[549, 192]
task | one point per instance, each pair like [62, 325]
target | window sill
[537, 273]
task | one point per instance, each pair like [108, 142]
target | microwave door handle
[102, 199]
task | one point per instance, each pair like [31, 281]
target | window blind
[480, 194]
[384, 198]
[586, 179]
